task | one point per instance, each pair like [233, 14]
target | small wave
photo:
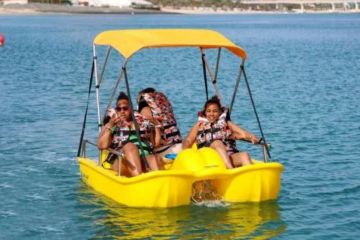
[7, 213]
[36, 197]
[48, 229]
[31, 169]
[212, 203]
[5, 185]
[354, 189]
[347, 190]
[9, 173]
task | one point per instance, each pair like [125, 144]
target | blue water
[304, 71]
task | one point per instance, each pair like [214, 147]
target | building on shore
[301, 5]
[23, 2]
[297, 6]
[94, 3]
[114, 3]
[7, 2]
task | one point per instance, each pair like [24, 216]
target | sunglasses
[122, 108]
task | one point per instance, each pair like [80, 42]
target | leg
[219, 146]
[123, 169]
[160, 162]
[176, 148]
[153, 162]
[241, 159]
[131, 153]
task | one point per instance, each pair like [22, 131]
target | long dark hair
[147, 90]
[141, 101]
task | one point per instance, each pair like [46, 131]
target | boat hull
[173, 187]
[154, 189]
[255, 183]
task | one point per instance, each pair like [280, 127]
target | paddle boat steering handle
[264, 146]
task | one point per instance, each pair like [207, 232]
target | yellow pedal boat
[173, 186]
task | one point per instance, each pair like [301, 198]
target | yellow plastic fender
[212, 158]
[189, 159]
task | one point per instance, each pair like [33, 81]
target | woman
[119, 133]
[155, 107]
[214, 130]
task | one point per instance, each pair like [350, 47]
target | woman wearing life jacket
[155, 107]
[119, 134]
[215, 130]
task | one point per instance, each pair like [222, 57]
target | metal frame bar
[256, 115]
[119, 165]
[203, 60]
[265, 153]
[97, 88]
[83, 148]
[133, 116]
[207, 66]
[86, 110]
[119, 154]
[104, 65]
[115, 88]
[236, 86]
[217, 66]
[265, 146]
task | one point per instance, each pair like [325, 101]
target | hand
[159, 119]
[253, 139]
[116, 120]
[155, 122]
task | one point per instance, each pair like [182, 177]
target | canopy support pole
[217, 66]
[115, 88]
[97, 87]
[267, 152]
[236, 86]
[216, 73]
[104, 65]
[204, 72]
[82, 142]
[133, 116]
[214, 78]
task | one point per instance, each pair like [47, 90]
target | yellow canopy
[128, 42]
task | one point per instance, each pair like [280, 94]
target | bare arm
[146, 112]
[239, 133]
[191, 137]
[156, 138]
[105, 136]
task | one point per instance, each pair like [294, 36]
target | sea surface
[304, 74]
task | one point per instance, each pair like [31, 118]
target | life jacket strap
[169, 126]
[172, 134]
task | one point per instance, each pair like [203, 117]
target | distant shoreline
[245, 11]
[36, 8]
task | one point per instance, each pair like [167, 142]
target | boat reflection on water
[213, 220]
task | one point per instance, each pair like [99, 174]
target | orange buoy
[2, 40]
